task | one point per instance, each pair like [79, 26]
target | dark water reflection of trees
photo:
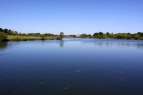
[3, 45]
[138, 45]
[61, 43]
[99, 43]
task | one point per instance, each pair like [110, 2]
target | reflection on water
[113, 42]
[138, 45]
[61, 43]
[80, 67]
[96, 42]
[3, 45]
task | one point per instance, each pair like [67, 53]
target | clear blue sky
[72, 16]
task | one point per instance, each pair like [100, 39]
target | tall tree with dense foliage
[61, 34]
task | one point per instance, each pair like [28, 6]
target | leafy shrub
[59, 38]
[42, 37]
[3, 36]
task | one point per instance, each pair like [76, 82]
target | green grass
[27, 38]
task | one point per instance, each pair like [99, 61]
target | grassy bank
[10, 35]
[28, 38]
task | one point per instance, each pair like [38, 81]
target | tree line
[11, 32]
[137, 36]
[4, 33]
[100, 35]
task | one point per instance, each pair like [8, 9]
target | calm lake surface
[72, 67]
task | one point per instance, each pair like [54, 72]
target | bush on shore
[59, 38]
[3, 37]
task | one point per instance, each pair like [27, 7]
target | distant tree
[83, 35]
[48, 34]
[72, 36]
[100, 33]
[95, 35]
[89, 35]
[3, 36]
[107, 33]
[15, 33]
[1, 30]
[128, 36]
[5, 30]
[61, 34]
[136, 37]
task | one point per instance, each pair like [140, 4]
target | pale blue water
[72, 67]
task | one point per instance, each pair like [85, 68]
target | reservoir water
[72, 67]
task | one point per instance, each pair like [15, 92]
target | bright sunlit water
[72, 67]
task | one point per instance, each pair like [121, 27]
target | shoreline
[34, 39]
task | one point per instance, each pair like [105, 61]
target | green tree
[1, 30]
[136, 37]
[3, 36]
[5, 30]
[83, 35]
[61, 34]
